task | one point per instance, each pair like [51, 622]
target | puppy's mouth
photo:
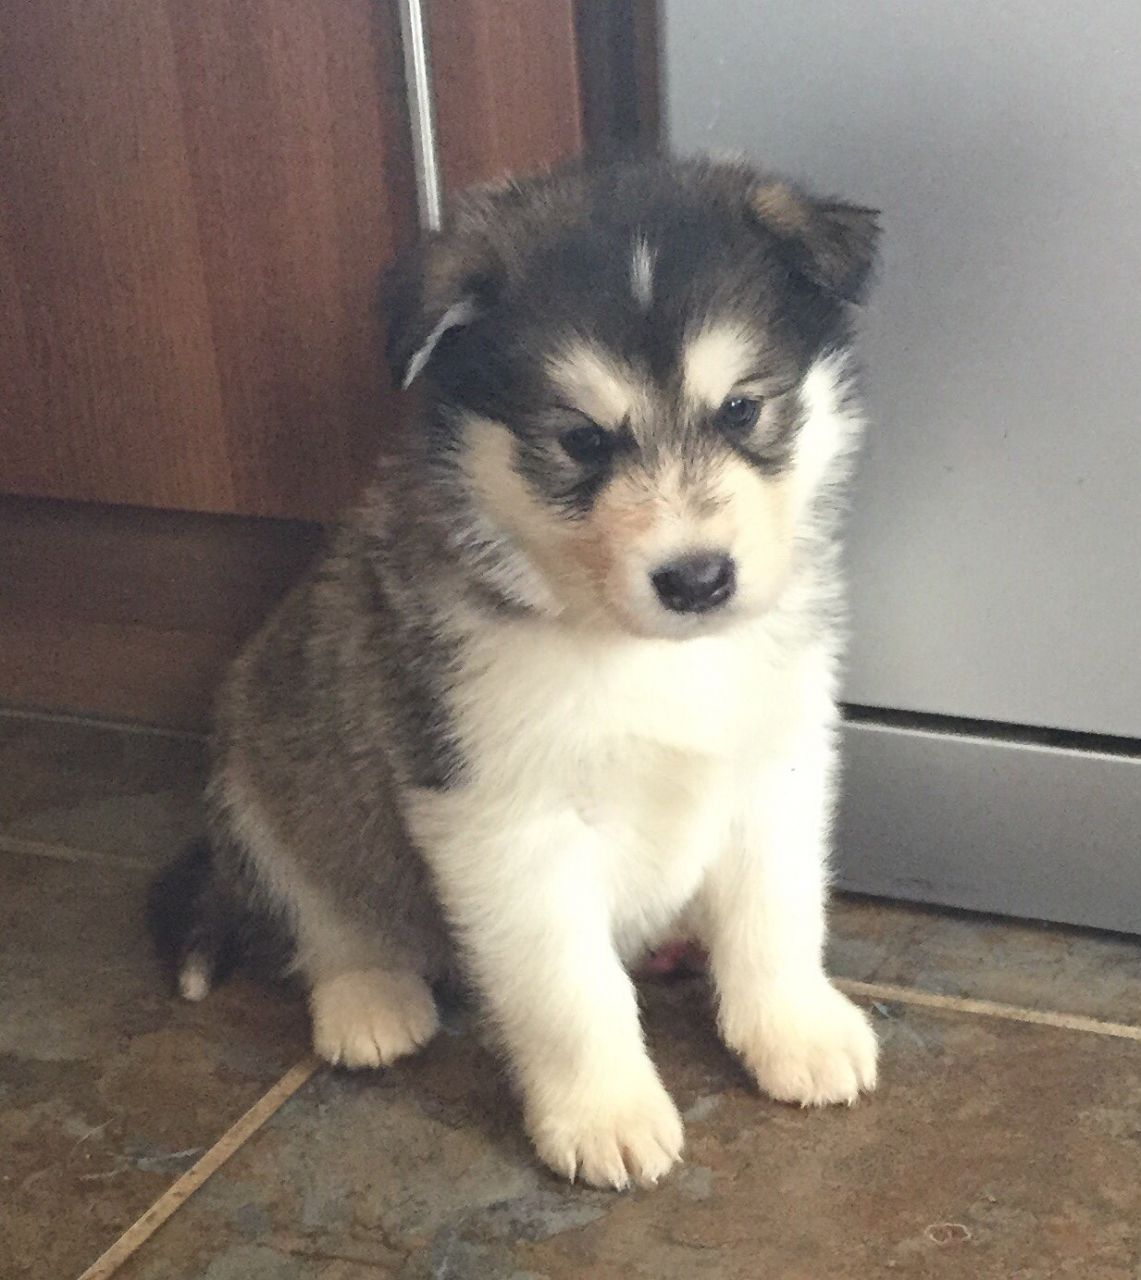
[666, 626]
[649, 620]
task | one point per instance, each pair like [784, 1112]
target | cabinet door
[196, 200]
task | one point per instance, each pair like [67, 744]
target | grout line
[989, 1009]
[69, 853]
[176, 1195]
[137, 727]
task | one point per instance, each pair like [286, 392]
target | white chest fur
[534, 694]
[629, 755]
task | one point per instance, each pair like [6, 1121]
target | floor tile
[958, 953]
[993, 1149]
[109, 1088]
[131, 794]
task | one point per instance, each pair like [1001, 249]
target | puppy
[563, 685]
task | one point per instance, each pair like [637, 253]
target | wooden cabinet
[506, 81]
[196, 200]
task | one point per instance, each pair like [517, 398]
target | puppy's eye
[587, 444]
[737, 416]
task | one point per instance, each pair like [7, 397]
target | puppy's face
[619, 370]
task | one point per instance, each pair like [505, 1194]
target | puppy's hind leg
[369, 1000]
[369, 1017]
[369, 1003]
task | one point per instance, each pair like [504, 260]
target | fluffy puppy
[563, 685]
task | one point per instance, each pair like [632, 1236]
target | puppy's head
[633, 372]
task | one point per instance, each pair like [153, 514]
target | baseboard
[131, 614]
[991, 823]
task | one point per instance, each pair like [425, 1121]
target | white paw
[371, 1017]
[812, 1046]
[610, 1141]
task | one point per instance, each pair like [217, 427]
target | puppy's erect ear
[831, 243]
[442, 285]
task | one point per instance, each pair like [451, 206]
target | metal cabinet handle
[421, 114]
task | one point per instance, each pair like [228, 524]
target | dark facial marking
[766, 442]
[571, 466]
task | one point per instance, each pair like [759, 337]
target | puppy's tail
[192, 922]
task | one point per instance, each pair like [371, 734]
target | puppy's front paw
[371, 1017]
[609, 1139]
[812, 1046]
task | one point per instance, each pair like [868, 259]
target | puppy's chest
[645, 741]
[546, 699]
[659, 815]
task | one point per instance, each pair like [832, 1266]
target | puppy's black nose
[696, 583]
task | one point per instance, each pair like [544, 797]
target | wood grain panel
[132, 613]
[506, 86]
[196, 202]
[294, 135]
[115, 373]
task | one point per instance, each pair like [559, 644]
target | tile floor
[994, 1148]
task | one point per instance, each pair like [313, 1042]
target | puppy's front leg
[763, 912]
[529, 905]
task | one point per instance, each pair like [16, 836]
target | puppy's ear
[831, 243]
[441, 285]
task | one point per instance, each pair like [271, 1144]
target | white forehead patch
[595, 384]
[642, 273]
[715, 361]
